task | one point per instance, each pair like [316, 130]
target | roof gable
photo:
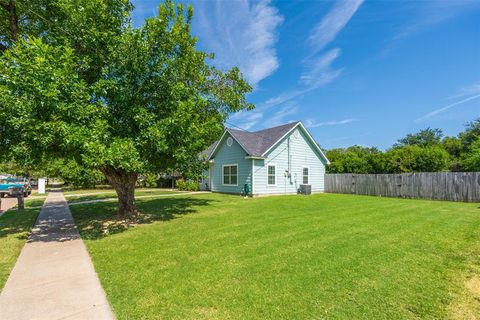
[257, 144]
[310, 140]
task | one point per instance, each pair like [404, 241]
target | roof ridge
[293, 123]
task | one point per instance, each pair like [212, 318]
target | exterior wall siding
[233, 154]
[302, 154]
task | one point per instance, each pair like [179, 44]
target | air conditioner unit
[305, 189]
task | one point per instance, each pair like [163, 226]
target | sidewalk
[7, 203]
[54, 276]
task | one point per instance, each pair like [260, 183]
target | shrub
[417, 159]
[187, 185]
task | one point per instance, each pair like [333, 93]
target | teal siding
[302, 154]
[230, 155]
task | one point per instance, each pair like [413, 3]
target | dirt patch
[467, 306]
[473, 285]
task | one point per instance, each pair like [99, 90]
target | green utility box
[246, 189]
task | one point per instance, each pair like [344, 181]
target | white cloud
[317, 69]
[281, 116]
[240, 33]
[247, 119]
[467, 91]
[425, 15]
[446, 108]
[333, 22]
[309, 123]
[319, 72]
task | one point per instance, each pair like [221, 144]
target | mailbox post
[18, 193]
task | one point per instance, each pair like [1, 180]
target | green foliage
[187, 185]
[80, 176]
[454, 147]
[84, 85]
[417, 159]
[472, 158]
[148, 180]
[157, 104]
[356, 159]
[89, 27]
[163, 97]
[424, 138]
[471, 134]
[424, 151]
[46, 108]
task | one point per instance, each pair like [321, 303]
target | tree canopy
[424, 151]
[424, 138]
[94, 90]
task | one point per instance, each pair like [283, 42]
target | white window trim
[272, 165]
[308, 175]
[230, 165]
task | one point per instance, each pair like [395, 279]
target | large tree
[146, 100]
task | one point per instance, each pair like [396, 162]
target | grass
[212, 256]
[86, 196]
[69, 192]
[34, 202]
[15, 226]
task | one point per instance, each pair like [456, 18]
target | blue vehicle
[6, 184]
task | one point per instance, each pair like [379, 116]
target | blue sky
[355, 72]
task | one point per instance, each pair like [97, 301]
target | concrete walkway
[7, 203]
[54, 276]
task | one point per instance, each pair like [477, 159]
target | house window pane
[271, 180]
[305, 175]
[230, 175]
[271, 175]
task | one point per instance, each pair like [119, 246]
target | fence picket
[452, 186]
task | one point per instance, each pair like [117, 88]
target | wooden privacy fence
[452, 186]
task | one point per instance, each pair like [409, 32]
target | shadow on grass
[98, 220]
[18, 223]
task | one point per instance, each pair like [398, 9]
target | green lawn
[68, 193]
[85, 196]
[15, 226]
[212, 256]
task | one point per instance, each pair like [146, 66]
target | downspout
[253, 175]
[288, 144]
[289, 175]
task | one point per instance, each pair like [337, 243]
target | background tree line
[425, 151]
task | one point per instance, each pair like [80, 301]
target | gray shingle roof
[256, 143]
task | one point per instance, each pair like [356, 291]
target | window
[305, 175]
[271, 175]
[230, 174]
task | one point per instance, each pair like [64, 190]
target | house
[272, 161]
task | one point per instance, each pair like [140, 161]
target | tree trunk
[124, 184]
[11, 8]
